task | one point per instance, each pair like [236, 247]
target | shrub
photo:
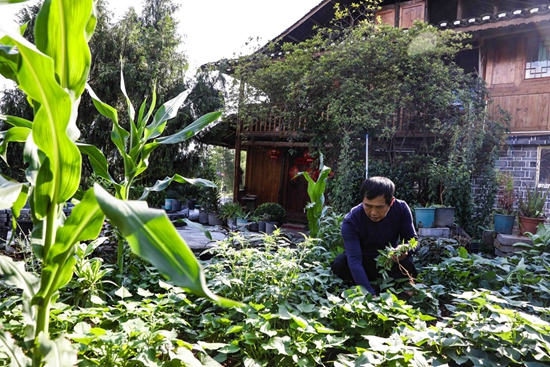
[275, 211]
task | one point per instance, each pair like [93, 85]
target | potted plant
[262, 220]
[439, 182]
[504, 216]
[178, 195]
[210, 199]
[531, 209]
[229, 213]
[425, 216]
[274, 211]
[253, 224]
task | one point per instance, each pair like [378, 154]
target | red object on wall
[274, 152]
[308, 156]
[293, 172]
[300, 160]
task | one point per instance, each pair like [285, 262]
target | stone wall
[520, 158]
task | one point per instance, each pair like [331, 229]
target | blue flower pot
[424, 217]
[504, 223]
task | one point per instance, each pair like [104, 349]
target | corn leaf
[15, 134]
[37, 80]
[161, 185]
[84, 223]
[166, 112]
[152, 237]
[97, 160]
[190, 130]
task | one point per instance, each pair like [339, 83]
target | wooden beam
[459, 9]
[285, 144]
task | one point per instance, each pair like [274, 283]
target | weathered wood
[411, 12]
[386, 16]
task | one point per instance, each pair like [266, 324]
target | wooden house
[510, 51]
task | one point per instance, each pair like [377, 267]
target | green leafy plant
[53, 74]
[506, 195]
[231, 211]
[275, 211]
[316, 208]
[135, 146]
[531, 205]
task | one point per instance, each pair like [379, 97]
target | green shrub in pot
[275, 211]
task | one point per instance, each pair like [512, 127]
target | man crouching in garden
[378, 221]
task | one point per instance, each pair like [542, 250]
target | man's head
[377, 194]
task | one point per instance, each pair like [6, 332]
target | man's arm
[354, 255]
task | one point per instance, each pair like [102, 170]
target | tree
[146, 47]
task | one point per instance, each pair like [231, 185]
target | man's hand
[400, 257]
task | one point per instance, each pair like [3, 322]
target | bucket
[168, 204]
[424, 217]
[444, 217]
[270, 227]
[241, 224]
[504, 223]
[176, 205]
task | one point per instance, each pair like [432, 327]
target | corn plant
[316, 208]
[135, 146]
[53, 74]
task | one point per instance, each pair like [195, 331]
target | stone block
[434, 232]
[504, 243]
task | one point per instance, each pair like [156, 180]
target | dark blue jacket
[363, 237]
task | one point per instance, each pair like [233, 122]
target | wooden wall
[270, 180]
[262, 175]
[527, 100]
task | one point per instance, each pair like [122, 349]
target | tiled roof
[499, 17]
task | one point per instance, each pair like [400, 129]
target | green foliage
[399, 86]
[540, 240]
[275, 211]
[532, 203]
[343, 193]
[506, 195]
[316, 208]
[53, 74]
[230, 210]
[330, 231]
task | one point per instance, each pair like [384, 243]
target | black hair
[374, 187]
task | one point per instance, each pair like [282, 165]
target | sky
[214, 29]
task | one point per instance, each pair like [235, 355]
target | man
[379, 220]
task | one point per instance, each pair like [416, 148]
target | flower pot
[241, 224]
[529, 224]
[194, 215]
[176, 205]
[270, 227]
[214, 219]
[191, 203]
[253, 226]
[261, 225]
[424, 217]
[444, 217]
[504, 223]
[168, 204]
[203, 217]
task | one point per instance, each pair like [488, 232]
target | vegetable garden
[275, 303]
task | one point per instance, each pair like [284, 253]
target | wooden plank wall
[527, 100]
[263, 175]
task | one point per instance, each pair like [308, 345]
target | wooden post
[459, 9]
[237, 166]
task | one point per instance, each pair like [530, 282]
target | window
[543, 167]
[538, 57]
